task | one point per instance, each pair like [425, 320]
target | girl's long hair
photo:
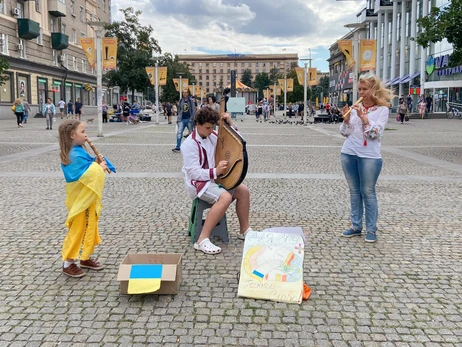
[65, 141]
[381, 95]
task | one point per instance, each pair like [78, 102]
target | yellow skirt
[84, 205]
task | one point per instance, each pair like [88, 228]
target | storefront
[444, 83]
[68, 92]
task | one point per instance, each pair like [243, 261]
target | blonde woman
[18, 109]
[360, 155]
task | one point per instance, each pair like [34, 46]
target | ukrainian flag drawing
[144, 278]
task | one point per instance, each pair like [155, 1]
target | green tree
[262, 81]
[4, 65]
[134, 53]
[443, 23]
[275, 75]
[322, 87]
[169, 92]
[297, 94]
[246, 77]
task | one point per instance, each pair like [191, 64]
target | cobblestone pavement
[404, 290]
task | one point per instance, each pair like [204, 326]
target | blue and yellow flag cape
[84, 189]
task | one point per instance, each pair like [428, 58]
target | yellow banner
[346, 46]
[88, 46]
[281, 83]
[290, 84]
[150, 70]
[204, 93]
[367, 55]
[278, 90]
[300, 75]
[184, 82]
[109, 53]
[162, 75]
[194, 90]
[312, 76]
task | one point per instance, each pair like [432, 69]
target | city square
[403, 290]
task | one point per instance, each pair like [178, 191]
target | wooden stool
[196, 222]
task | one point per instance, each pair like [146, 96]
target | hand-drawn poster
[272, 267]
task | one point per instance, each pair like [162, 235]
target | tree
[134, 53]
[4, 65]
[169, 92]
[322, 87]
[297, 94]
[246, 77]
[262, 81]
[275, 75]
[443, 23]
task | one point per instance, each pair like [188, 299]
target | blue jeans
[361, 175]
[181, 126]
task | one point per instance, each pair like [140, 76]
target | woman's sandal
[207, 247]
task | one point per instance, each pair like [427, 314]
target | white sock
[247, 231]
[67, 264]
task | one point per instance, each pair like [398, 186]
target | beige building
[213, 71]
[40, 40]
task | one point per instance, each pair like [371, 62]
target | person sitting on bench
[199, 170]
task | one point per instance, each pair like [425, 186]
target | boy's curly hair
[206, 115]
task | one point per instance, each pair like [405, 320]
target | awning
[401, 80]
[387, 83]
[395, 81]
[410, 78]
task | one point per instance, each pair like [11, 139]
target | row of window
[243, 64]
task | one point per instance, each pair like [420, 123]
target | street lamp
[355, 26]
[180, 86]
[156, 86]
[99, 73]
[305, 87]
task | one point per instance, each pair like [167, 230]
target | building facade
[40, 40]
[400, 61]
[213, 71]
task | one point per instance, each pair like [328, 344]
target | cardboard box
[163, 267]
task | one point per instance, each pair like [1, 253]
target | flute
[98, 154]
[349, 110]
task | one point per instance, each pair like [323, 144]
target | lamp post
[305, 87]
[274, 99]
[99, 73]
[156, 83]
[357, 27]
[180, 86]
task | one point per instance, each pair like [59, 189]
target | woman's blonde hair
[381, 95]
[17, 102]
[65, 131]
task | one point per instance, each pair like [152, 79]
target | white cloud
[252, 26]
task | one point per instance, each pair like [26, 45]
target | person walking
[62, 105]
[422, 107]
[360, 154]
[18, 109]
[402, 110]
[186, 113]
[27, 109]
[104, 108]
[70, 108]
[78, 109]
[49, 111]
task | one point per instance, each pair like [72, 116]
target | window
[20, 7]
[104, 5]
[40, 38]
[63, 28]
[73, 7]
[256, 64]
[250, 64]
[82, 34]
[37, 6]
[200, 64]
[91, 17]
[54, 57]
[84, 69]
[52, 25]
[6, 94]
[74, 64]
[74, 36]
[221, 64]
[235, 64]
[22, 48]
[2, 8]
[214, 64]
[214, 70]
[82, 14]
[4, 44]
[207, 64]
[64, 60]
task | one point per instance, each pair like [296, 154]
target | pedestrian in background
[49, 111]
[18, 109]
[186, 113]
[402, 110]
[26, 111]
[70, 108]
[62, 105]
[422, 107]
[360, 155]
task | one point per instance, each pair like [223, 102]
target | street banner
[312, 76]
[150, 70]
[265, 94]
[184, 82]
[162, 75]
[88, 46]
[346, 46]
[300, 75]
[367, 54]
[204, 93]
[278, 90]
[193, 89]
[281, 83]
[109, 53]
[290, 84]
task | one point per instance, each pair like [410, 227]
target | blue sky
[246, 27]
